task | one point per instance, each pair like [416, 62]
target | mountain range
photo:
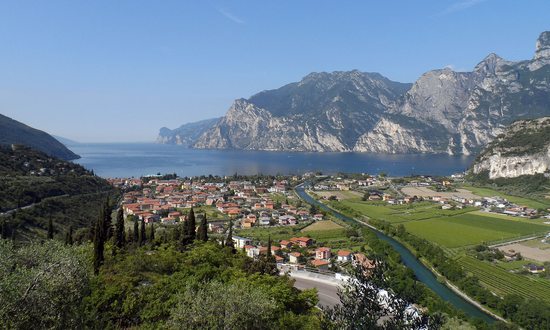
[444, 111]
[14, 132]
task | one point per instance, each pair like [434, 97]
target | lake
[138, 159]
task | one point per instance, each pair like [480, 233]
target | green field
[211, 212]
[276, 233]
[503, 282]
[450, 229]
[470, 229]
[487, 192]
[322, 225]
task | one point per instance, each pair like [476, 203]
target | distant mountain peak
[489, 63]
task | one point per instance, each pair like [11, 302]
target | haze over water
[138, 159]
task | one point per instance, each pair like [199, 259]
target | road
[327, 293]
[17, 209]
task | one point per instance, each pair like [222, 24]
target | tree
[142, 234]
[130, 235]
[229, 241]
[107, 222]
[203, 230]
[99, 241]
[136, 230]
[313, 209]
[152, 236]
[366, 196]
[50, 227]
[69, 236]
[120, 240]
[243, 306]
[191, 225]
[366, 303]
[4, 229]
[43, 285]
[268, 252]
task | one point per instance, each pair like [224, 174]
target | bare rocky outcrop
[523, 149]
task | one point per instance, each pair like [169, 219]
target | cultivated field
[340, 194]
[470, 229]
[503, 282]
[427, 192]
[322, 225]
[447, 228]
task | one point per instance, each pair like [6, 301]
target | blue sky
[120, 70]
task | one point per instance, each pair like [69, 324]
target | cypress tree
[176, 233]
[99, 241]
[130, 235]
[142, 234]
[203, 229]
[50, 228]
[229, 240]
[120, 240]
[191, 225]
[3, 230]
[268, 253]
[152, 236]
[107, 223]
[69, 236]
[136, 230]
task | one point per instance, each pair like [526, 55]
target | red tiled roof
[318, 263]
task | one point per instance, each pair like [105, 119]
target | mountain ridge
[14, 132]
[443, 111]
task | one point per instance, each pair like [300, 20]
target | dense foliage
[42, 285]
[152, 285]
[524, 137]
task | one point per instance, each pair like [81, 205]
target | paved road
[327, 292]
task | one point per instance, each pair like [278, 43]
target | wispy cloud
[459, 6]
[230, 16]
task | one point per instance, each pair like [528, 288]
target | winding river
[423, 274]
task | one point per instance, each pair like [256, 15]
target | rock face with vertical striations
[442, 112]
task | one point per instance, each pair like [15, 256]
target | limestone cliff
[523, 149]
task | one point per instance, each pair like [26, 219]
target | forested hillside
[35, 187]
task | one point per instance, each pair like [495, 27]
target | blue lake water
[137, 159]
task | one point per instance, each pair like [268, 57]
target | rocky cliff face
[186, 134]
[322, 112]
[442, 112]
[523, 149]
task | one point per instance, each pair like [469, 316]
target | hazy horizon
[119, 71]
